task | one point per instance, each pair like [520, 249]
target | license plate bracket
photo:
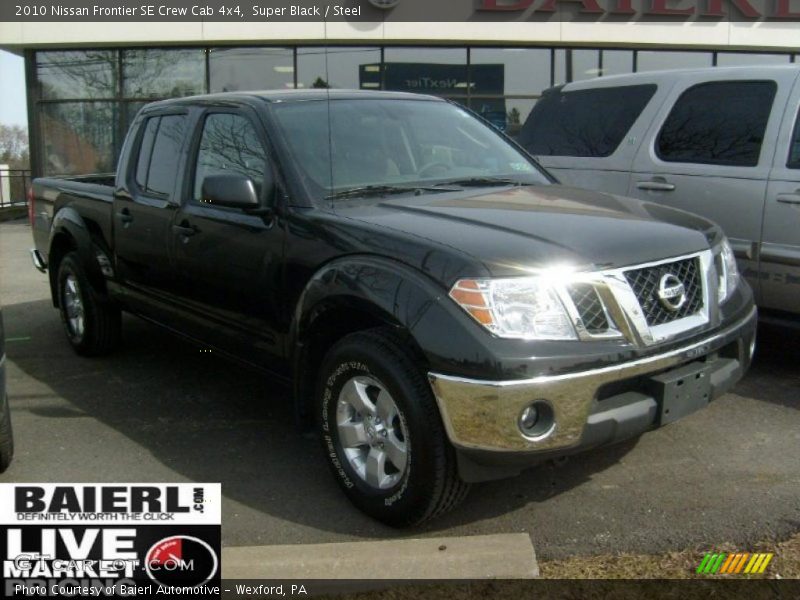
[681, 391]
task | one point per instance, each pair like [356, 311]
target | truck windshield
[381, 146]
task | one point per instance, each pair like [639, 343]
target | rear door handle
[185, 230]
[655, 186]
[789, 198]
[125, 216]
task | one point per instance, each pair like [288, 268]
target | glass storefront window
[77, 74]
[347, 68]
[435, 71]
[617, 62]
[522, 71]
[585, 64]
[649, 60]
[507, 114]
[129, 111]
[79, 137]
[163, 73]
[733, 59]
[239, 69]
[501, 84]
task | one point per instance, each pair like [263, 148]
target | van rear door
[780, 248]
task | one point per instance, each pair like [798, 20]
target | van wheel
[92, 323]
[6, 434]
[382, 433]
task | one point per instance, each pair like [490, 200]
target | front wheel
[382, 433]
[92, 323]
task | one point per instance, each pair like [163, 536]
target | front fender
[399, 295]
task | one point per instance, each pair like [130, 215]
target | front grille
[590, 307]
[645, 283]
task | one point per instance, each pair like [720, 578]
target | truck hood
[513, 230]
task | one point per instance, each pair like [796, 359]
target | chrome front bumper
[484, 415]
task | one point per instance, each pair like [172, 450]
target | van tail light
[31, 205]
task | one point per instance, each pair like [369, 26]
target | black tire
[429, 485]
[102, 320]
[6, 434]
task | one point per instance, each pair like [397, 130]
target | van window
[584, 122]
[718, 123]
[794, 146]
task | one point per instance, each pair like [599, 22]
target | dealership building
[86, 81]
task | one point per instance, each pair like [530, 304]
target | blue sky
[13, 109]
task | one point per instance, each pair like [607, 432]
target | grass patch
[671, 565]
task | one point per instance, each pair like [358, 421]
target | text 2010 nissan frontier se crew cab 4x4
[446, 311]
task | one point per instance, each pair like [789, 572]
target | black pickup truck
[446, 311]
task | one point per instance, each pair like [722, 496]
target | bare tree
[14, 146]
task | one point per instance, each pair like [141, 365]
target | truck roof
[291, 96]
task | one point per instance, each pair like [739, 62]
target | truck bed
[92, 195]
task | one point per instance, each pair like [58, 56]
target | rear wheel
[382, 433]
[92, 323]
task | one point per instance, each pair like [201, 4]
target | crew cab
[446, 311]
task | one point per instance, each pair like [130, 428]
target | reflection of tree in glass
[78, 137]
[229, 144]
[513, 117]
[719, 123]
[77, 74]
[319, 82]
[162, 73]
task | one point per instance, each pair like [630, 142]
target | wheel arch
[70, 232]
[347, 296]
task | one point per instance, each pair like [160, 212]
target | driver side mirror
[234, 190]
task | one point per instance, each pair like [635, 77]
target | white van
[720, 142]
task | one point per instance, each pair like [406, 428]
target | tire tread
[449, 489]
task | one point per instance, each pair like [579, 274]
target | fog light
[537, 420]
[528, 418]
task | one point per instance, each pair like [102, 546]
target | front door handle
[185, 230]
[789, 198]
[656, 185]
[125, 216]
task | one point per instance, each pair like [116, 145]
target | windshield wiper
[480, 181]
[383, 190]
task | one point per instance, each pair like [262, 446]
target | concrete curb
[501, 556]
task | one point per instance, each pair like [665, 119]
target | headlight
[727, 271]
[524, 307]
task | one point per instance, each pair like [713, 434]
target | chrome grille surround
[624, 315]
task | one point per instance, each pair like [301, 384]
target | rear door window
[718, 123]
[157, 165]
[590, 123]
[166, 152]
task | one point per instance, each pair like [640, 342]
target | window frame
[133, 165]
[656, 140]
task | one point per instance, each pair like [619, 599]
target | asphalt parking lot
[160, 410]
